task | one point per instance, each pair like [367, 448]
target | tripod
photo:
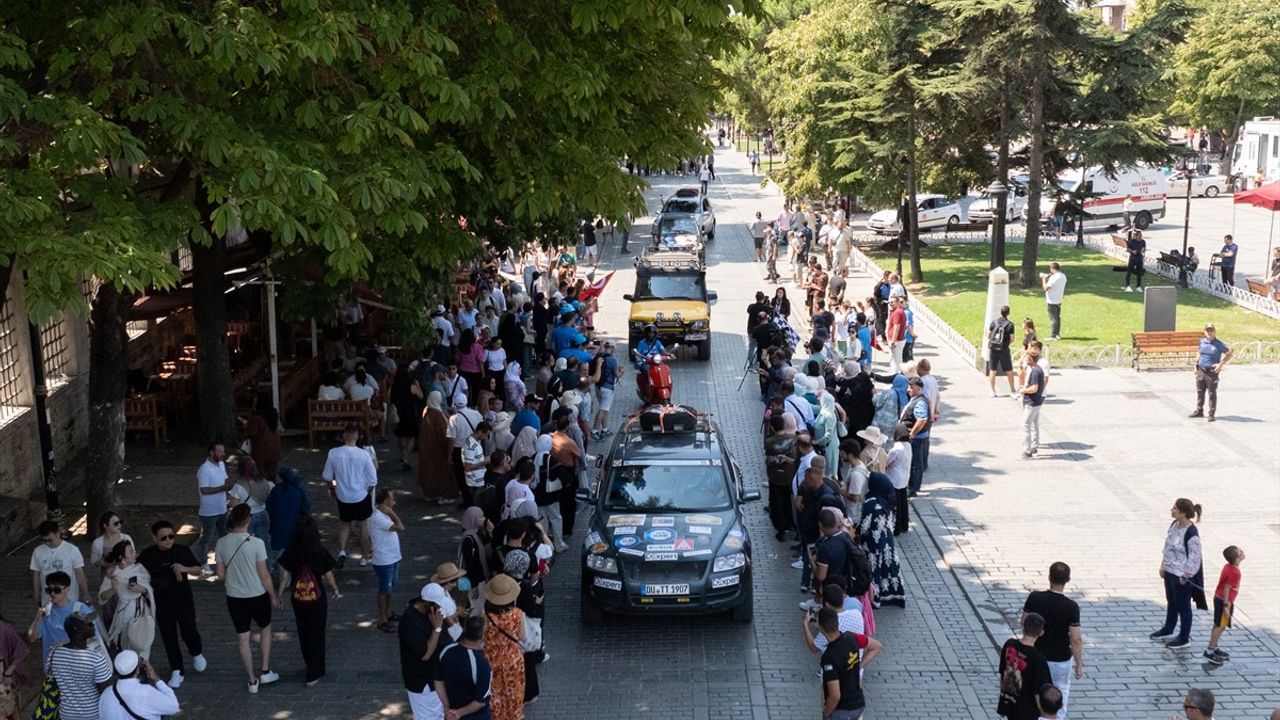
[749, 365]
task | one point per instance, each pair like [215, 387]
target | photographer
[138, 694]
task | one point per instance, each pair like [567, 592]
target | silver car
[691, 202]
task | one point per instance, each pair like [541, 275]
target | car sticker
[681, 544]
[723, 582]
[593, 537]
[704, 552]
[608, 584]
[703, 520]
[660, 557]
[620, 520]
[733, 543]
[599, 548]
[626, 541]
[665, 521]
[659, 535]
[666, 547]
[631, 551]
[700, 530]
[628, 530]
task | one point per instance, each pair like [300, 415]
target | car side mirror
[628, 297]
[749, 495]
[712, 296]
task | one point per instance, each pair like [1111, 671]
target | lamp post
[1186, 216]
[998, 193]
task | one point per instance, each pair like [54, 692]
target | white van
[1148, 187]
[1257, 152]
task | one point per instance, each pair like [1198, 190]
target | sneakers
[207, 570]
[1128, 289]
[561, 547]
[1161, 633]
[1178, 643]
[342, 559]
[253, 687]
[266, 677]
[810, 606]
[1027, 454]
[1222, 653]
[1198, 413]
[798, 564]
[199, 662]
[1210, 418]
[1054, 337]
[365, 562]
[994, 394]
[1213, 657]
[175, 680]
[1014, 394]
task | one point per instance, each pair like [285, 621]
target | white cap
[381, 349]
[434, 593]
[126, 662]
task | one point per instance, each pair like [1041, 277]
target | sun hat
[447, 572]
[873, 435]
[501, 590]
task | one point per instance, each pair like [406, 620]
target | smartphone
[133, 581]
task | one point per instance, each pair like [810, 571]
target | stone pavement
[1118, 452]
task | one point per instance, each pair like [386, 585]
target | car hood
[884, 216]
[665, 537]
[648, 310]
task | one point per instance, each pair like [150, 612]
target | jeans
[1206, 380]
[1177, 596]
[259, 526]
[919, 462]
[212, 528]
[1031, 427]
[1061, 674]
[1055, 319]
[845, 714]
[176, 613]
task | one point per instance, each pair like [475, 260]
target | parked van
[1148, 187]
[1257, 152]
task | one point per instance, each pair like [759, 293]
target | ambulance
[1105, 194]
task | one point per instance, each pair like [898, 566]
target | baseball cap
[1209, 326]
[381, 349]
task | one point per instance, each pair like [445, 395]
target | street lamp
[1186, 227]
[998, 192]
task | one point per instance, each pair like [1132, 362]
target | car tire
[704, 349]
[1143, 220]
[711, 234]
[953, 220]
[745, 610]
[591, 613]
[1211, 191]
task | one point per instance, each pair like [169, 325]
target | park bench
[144, 414]
[1174, 347]
[1170, 260]
[1261, 288]
[334, 415]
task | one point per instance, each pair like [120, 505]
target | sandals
[385, 627]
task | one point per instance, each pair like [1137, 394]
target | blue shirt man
[563, 336]
[647, 347]
[911, 323]
[864, 339]
[1227, 255]
[1211, 351]
[608, 370]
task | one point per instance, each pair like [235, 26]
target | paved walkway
[1118, 452]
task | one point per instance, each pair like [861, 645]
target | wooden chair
[335, 415]
[144, 414]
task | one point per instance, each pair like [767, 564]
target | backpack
[1001, 333]
[857, 571]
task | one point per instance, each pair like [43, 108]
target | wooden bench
[1120, 241]
[144, 414]
[1175, 347]
[1170, 260]
[335, 415]
[1261, 288]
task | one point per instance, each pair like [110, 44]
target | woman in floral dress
[875, 532]
[504, 627]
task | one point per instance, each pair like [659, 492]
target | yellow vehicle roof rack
[669, 260]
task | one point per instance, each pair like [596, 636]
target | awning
[1266, 196]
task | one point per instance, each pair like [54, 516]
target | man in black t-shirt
[761, 305]
[831, 557]
[842, 667]
[1060, 644]
[170, 564]
[422, 637]
[463, 676]
[1022, 672]
[999, 337]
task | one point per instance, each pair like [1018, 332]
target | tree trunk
[213, 366]
[1002, 174]
[5, 273]
[108, 388]
[1228, 152]
[1027, 277]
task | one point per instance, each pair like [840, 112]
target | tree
[1228, 69]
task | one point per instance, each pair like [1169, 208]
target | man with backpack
[999, 337]
[815, 495]
[836, 555]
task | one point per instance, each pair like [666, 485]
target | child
[1224, 601]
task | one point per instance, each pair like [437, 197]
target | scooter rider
[648, 346]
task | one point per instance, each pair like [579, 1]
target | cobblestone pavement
[1118, 451]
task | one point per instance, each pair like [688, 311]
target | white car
[982, 210]
[931, 211]
[1206, 185]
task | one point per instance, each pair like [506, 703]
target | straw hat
[501, 590]
[873, 435]
[447, 572]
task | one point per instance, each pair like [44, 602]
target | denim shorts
[388, 576]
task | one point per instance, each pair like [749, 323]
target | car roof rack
[663, 419]
[670, 260]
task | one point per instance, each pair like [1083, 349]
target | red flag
[596, 288]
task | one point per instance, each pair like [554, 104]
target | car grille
[667, 572]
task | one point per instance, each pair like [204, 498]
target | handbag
[142, 628]
[50, 701]
[532, 641]
[8, 700]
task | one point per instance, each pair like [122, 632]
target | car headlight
[732, 561]
[660, 317]
[676, 317]
[698, 325]
[604, 564]
[637, 324]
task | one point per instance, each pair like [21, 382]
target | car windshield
[684, 206]
[671, 286]
[675, 225]
[667, 488]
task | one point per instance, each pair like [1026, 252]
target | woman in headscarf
[856, 396]
[513, 386]
[434, 452]
[549, 500]
[828, 426]
[526, 445]
[875, 532]
[473, 549]
[889, 403]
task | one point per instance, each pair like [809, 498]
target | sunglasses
[54, 590]
[162, 538]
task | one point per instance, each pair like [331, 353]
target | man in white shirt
[498, 299]
[757, 235]
[352, 475]
[796, 405]
[1055, 286]
[213, 484]
[384, 525]
[467, 316]
[444, 328]
[898, 468]
[462, 425]
[138, 694]
[931, 390]
[474, 461]
[455, 387]
[52, 555]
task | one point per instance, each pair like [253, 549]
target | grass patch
[1095, 311]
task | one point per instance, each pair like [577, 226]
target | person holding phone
[133, 626]
[138, 694]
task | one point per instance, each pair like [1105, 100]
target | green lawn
[1095, 311]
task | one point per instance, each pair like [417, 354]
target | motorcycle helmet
[650, 331]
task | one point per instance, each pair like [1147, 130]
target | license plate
[695, 336]
[668, 589]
